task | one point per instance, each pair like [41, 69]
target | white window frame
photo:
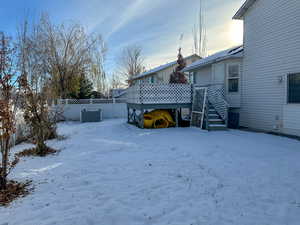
[191, 77]
[233, 78]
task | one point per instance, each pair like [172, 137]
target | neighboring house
[163, 72]
[118, 93]
[270, 85]
[223, 68]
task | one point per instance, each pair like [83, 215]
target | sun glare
[236, 32]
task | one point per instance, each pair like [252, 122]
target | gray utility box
[90, 115]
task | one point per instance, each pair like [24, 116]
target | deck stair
[214, 120]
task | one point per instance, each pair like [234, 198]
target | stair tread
[217, 125]
[215, 120]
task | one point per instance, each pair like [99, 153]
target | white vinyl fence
[22, 130]
[111, 108]
[71, 108]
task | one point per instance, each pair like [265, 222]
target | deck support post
[176, 117]
[142, 118]
[128, 114]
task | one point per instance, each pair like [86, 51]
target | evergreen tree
[85, 88]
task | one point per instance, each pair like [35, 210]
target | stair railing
[206, 115]
[216, 97]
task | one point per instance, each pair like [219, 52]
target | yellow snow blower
[158, 119]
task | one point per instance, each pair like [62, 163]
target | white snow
[233, 52]
[111, 173]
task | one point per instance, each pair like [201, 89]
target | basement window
[294, 88]
[233, 77]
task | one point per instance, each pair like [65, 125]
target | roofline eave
[137, 78]
[171, 64]
[212, 62]
[244, 8]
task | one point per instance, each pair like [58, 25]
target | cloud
[134, 10]
[157, 25]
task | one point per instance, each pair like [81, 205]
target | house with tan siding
[161, 74]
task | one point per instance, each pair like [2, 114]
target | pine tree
[85, 88]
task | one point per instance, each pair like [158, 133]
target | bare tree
[199, 33]
[37, 115]
[131, 62]
[7, 107]
[116, 82]
[97, 72]
[59, 53]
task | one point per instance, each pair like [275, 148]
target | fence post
[67, 101]
[114, 100]
[91, 101]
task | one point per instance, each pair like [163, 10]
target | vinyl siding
[217, 73]
[203, 76]
[271, 51]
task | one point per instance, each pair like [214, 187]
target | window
[233, 76]
[151, 80]
[191, 77]
[294, 88]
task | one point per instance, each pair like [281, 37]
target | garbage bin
[233, 120]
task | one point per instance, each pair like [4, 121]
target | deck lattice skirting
[145, 96]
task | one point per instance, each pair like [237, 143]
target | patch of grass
[14, 191]
[32, 152]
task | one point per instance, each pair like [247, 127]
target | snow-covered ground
[111, 173]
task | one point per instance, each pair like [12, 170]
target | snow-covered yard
[111, 173]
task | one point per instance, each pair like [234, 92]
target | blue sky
[156, 25]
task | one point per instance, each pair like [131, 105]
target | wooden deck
[145, 96]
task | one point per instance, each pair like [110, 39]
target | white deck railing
[159, 93]
[89, 101]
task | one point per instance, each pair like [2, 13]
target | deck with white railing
[159, 94]
[89, 101]
[145, 96]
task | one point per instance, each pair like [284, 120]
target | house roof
[118, 92]
[235, 52]
[121, 94]
[159, 68]
[241, 12]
